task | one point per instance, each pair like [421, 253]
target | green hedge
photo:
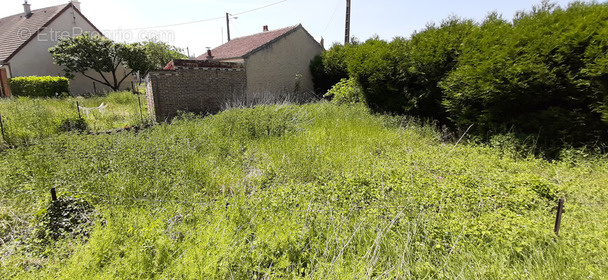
[39, 86]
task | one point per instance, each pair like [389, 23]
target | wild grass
[30, 120]
[314, 191]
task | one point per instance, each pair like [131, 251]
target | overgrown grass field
[316, 191]
[28, 120]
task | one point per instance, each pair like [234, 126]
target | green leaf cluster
[35, 86]
[160, 53]
[347, 91]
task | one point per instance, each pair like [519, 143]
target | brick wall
[194, 89]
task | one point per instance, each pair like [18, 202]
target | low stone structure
[194, 86]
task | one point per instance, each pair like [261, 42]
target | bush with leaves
[35, 86]
[347, 91]
[330, 67]
[544, 75]
[63, 218]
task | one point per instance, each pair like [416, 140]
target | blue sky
[119, 20]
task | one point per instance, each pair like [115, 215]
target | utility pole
[228, 25]
[347, 35]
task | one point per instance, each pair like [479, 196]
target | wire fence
[413, 206]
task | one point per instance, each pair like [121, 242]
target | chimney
[76, 4]
[209, 56]
[27, 9]
[265, 28]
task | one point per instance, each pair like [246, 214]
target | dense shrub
[63, 218]
[73, 124]
[330, 67]
[541, 76]
[378, 68]
[402, 76]
[35, 86]
[545, 74]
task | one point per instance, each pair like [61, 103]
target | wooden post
[78, 108]
[347, 29]
[4, 89]
[558, 217]
[53, 194]
[133, 88]
[2, 128]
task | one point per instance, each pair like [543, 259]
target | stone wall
[204, 88]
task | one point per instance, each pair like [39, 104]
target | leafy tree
[101, 55]
[160, 53]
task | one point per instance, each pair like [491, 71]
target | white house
[25, 39]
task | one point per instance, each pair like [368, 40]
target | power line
[208, 19]
[263, 7]
[332, 17]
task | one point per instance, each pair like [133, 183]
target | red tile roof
[245, 46]
[17, 30]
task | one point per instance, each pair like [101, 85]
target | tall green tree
[114, 62]
[159, 54]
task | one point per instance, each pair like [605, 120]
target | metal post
[94, 88]
[53, 194]
[558, 218]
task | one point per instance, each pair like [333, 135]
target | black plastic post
[53, 194]
[558, 217]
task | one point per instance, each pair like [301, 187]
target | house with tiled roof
[25, 39]
[276, 62]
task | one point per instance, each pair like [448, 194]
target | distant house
[276, 62]
[262, 68]
[25, 39]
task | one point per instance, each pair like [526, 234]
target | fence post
[141, 114]
[78, 108]
[53, 194]
[558, 217]
[2, 128]
[94, 88]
